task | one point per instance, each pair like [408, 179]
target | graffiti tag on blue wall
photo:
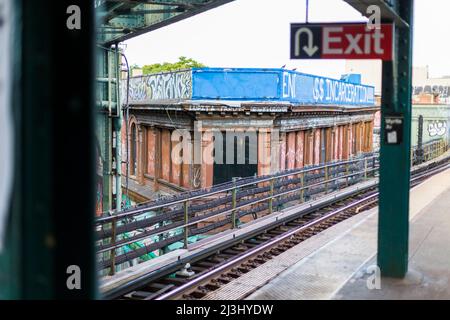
[305, 88]
[245, 84]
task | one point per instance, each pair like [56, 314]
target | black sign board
[393, 129]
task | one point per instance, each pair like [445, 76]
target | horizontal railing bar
[263, 199]
[144, 223]
[179, 201]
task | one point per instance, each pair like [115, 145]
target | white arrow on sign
[309, 49]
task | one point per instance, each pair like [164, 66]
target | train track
[212, 270]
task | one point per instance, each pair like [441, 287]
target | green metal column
[50, 226]
[10, 259]
[118, 133]
[393, 224]
[109, 123]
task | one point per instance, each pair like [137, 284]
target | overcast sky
[255, 33]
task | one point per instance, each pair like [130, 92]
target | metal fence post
[271, 196]
[373, 166]
[365, 168]
[186, 221]
[326, 178]
[160, 236]
[233, 213]
[302, 184]
[346, 173]
[113, 250]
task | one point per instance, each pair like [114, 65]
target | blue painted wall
[235, 84]
[277, 85]
[274, 85]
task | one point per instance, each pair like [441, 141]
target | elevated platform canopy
[233, 86]
[124, 19]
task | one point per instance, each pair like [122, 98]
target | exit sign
[341, 41]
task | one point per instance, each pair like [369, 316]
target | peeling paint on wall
[166, 154]
[176, 166]
[283, 152]
[151, 152]
[290, 155]
[299, 149]
[335, 143]
[317, 146]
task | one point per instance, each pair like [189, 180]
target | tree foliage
[182, 63]
[134, 66]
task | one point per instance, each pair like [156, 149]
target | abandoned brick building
[315, 119]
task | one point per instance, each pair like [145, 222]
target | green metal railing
[178, 218]
[429, 151]
[214, 209]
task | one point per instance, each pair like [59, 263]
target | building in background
[370, 71]
[281, 120]
[430, 98]
[428, 89]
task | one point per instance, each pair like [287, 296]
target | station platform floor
[343, 268]
[339, 262]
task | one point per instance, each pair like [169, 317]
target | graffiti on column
[437, 128]
[99, 178]
[164, 86]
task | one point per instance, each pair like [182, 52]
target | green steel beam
[50, 227]
[388, 9]
[121, 20]
[108, 123]
[393, 219]
[129, 19]
[10, 258]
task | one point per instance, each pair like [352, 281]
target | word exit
[341, 41]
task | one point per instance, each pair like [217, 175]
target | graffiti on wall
[315, 89]
[99, 179]
[197, 177]
[443, 91]
[164, 86]
[437, 128]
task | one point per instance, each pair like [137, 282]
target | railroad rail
[128, 235]
[215, 268]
